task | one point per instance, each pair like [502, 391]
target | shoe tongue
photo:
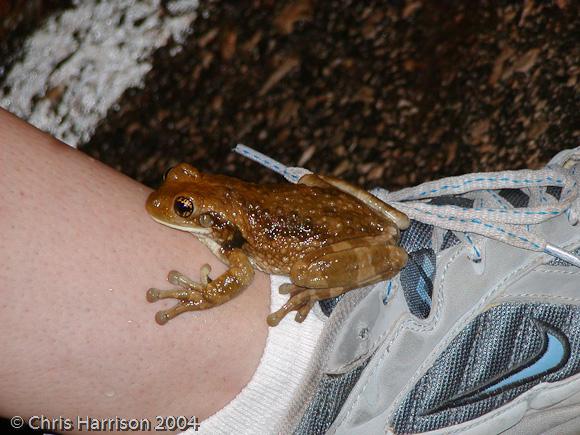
[417, 276]
[417, 236]
[515, 197]
[555, 191]
[459, 201]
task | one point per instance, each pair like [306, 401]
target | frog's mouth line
[193, 230]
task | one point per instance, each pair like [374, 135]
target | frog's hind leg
[381, 207]
[302, 300]
[350, 263]
[335, 269]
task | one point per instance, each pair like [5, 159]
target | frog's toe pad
[153, 295]
[299, 318]
[161, 317]
[274, 319]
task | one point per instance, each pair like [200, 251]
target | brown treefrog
[327, 235]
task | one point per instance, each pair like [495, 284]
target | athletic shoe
[478, 334]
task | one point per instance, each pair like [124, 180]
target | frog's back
[285, 221]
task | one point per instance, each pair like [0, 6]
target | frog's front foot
[189, 294]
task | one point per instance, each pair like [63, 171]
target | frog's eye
[166, 173]
[205, 220]
[183, 206]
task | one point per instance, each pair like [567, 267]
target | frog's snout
[154, 205]
[153, 200]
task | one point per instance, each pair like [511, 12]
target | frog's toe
[179, 279]
[204, 274]
[285, 289]
[273, 319]
[301, 302]
[161, 317]
[153, 295]
[303, 311]
[195, 302]
[164, 316]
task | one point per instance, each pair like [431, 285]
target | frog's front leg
[338, 268]
[194, 296]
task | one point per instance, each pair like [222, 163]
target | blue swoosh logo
[553, 354]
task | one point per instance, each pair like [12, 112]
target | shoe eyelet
[363, 334]
[478, 265]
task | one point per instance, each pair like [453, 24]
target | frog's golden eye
[183, 206]
[205, 220]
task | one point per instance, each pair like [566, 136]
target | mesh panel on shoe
[493, 344]
[417, 236]
[449, 240]
[330, 395]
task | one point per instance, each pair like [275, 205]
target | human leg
[78, 253]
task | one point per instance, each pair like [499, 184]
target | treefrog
[326, 235]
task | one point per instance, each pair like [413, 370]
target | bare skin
[78, 336]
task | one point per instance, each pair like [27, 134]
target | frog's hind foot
[302, 300]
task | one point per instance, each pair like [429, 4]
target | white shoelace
[506, 224]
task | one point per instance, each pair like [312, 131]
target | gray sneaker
[478, 334]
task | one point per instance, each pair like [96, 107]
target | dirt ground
[380, 93]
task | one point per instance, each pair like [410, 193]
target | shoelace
[509, 225]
